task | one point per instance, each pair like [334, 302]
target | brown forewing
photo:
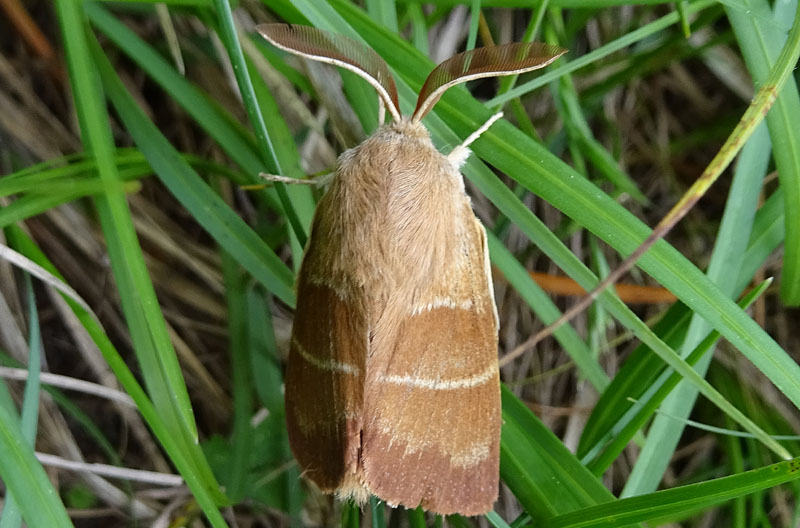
[325, 373]
[432, 398]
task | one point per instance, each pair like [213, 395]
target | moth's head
[492, 61]
[409, 128]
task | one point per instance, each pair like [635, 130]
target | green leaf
[761, 41]
[206, 206]
[664, 504]
[25, 478]
[543, 475]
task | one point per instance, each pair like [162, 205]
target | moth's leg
[458, 156]
[320, 180]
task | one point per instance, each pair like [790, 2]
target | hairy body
[396, 314]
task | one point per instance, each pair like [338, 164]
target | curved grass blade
[179, 452]
[140, 304]
[544, 476]
[637, 415]
[206, 206]
[761, 44]
[25, 478]
[148, 328]
[12, 516]
[672, 502]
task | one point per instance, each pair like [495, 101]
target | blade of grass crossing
[546, 311]
[726, 261]
[178, 451]
[12, 516]
[139, 301]
[230, 231]
[761, 44]
[270, 158]
[142, 313]
[621, 432]
[661, 505]
[26, 480]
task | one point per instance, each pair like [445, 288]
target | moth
[392, 385]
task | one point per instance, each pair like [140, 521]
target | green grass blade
[633, 379]
[578, 128]
[242, 381]
[25, 478]
[622, 430]
[12, 516]
[664, 504]
[231, 40]
[148, 328]
[547, 312]
[496, 521]
[142, 313]
[726, 261]
[761, 44]
[383, 12]
[543, 475]
[206, 206]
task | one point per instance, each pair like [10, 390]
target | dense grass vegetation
[142, 253]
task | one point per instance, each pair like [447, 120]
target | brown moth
[392, 386]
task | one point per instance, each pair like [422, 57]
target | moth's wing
[432, 408]
[325, 374]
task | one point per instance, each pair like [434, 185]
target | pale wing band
[440, 384]
[442, 302]
[328, 364]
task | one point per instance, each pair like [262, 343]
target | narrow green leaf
[726, 261]
[637, 415]
[547, 312]
[383, 12]
[148, 328]
[761, 44]
[266, 148]
[663, 504]
[25, 478]
[207, 207]
[12, 516]
[543, 475]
